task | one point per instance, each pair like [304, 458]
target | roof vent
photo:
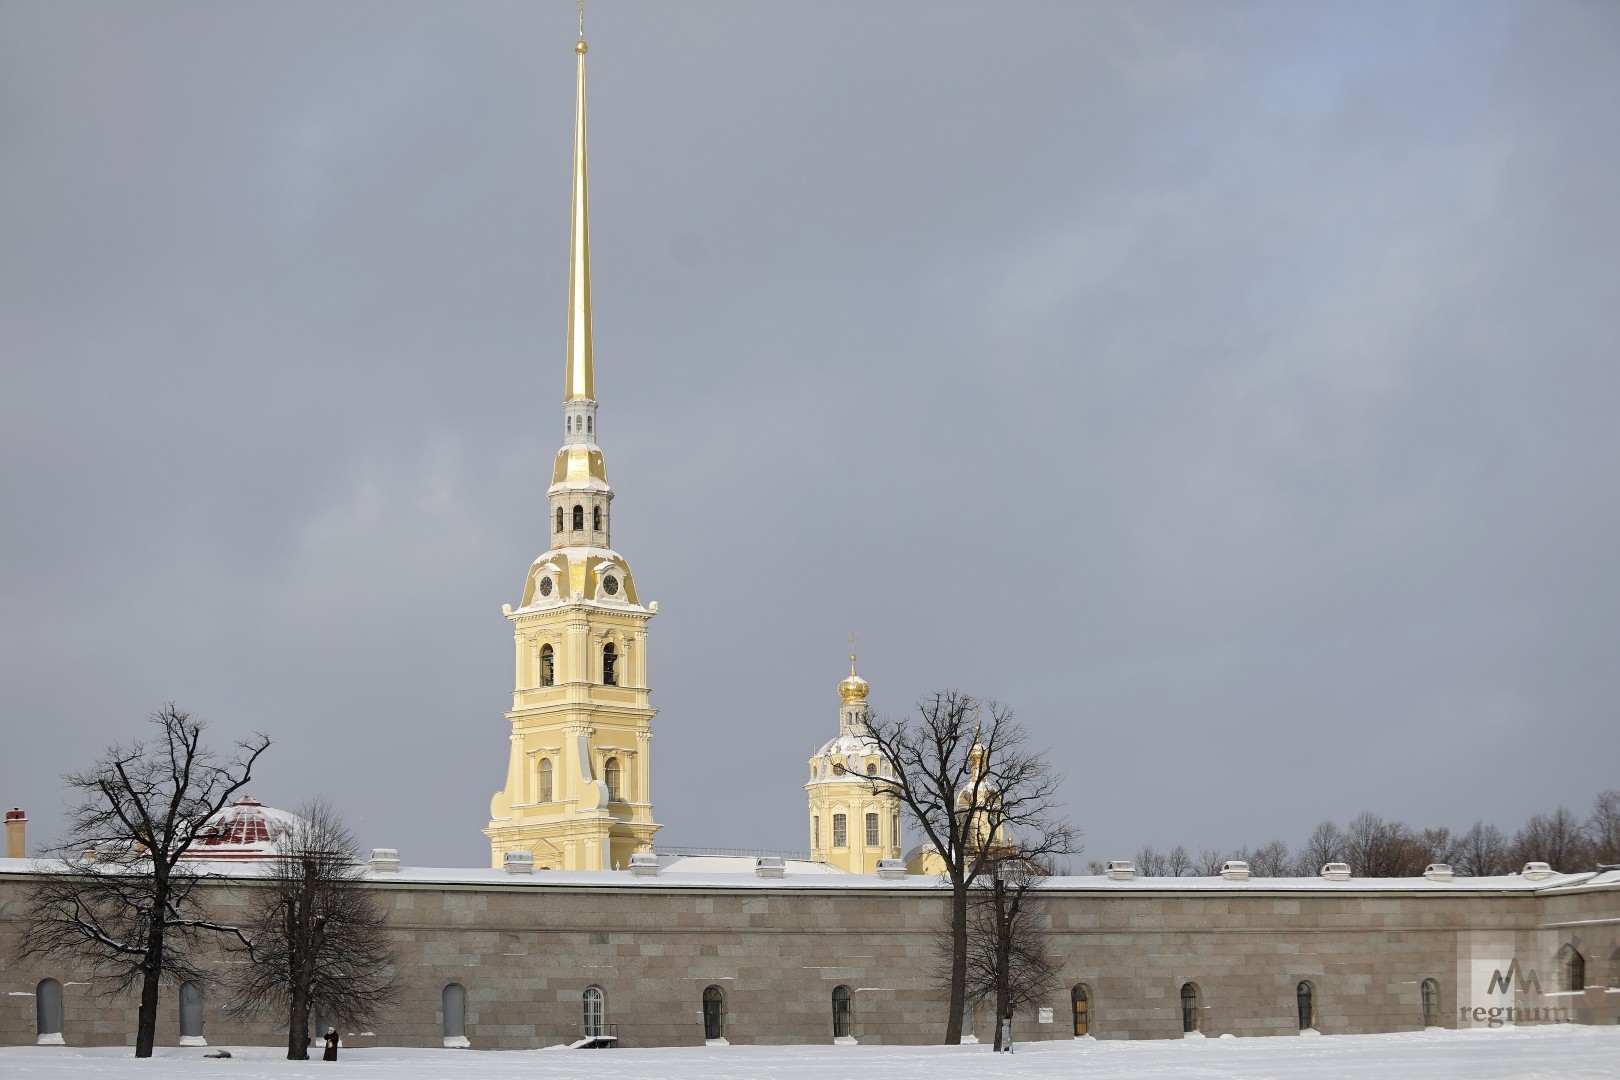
[768, 866]
[1336, 871]
[1235, 870]
[1438, 871]
[644, 864]
[1121, 869]
[891, 869]
[1536, 871]
[518, 862]
[384, 860]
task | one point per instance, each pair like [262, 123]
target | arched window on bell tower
[579, 518]
[559, 519]
[610, 776]
[596, 518]
[548, 666]
[610, 664]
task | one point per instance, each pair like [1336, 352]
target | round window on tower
[545, 586]
[610, 585]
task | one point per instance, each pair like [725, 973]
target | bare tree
[1557, 839]
[1007, 959]
[121, 899]
[1270, 860]
[961, 769]
[1482, 852]
[1603, 828]
[1326, 844]
[1435, 846]
[1379, 848]
[1180, 863]
[1208, 863]
[319, 933]
[1151, 863]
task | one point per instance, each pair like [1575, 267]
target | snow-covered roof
[732, 872]
[735, 864]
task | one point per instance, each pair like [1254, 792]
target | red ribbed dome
[246, 829]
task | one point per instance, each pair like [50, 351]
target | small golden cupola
[852, 696]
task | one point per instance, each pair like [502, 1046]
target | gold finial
[580, 384]
[853, 688]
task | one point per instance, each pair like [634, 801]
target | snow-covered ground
[1564, 1053]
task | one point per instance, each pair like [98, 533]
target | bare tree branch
[320, 933]
[118, 896]
[962, 771]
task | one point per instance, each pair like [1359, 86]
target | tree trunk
[959, 938]
[1003, 958]
[298, 1025]
[305, 936]
[151, 979]
[152, 969]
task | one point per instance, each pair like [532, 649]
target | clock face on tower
[610, 585]
[545, 586]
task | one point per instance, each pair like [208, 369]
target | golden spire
[581, 380]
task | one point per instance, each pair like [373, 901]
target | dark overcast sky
[1230, 388]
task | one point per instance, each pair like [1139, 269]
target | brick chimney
[16, 834]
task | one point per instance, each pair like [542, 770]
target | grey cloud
[1227, 388]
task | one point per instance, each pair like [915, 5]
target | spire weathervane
[581, 381]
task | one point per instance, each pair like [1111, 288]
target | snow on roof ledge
[715, 872]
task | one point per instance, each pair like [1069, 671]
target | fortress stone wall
[525, 949]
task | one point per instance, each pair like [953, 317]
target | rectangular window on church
[840, 830]
[815, 832]
[871, 830]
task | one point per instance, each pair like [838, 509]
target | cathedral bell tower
[577, 792]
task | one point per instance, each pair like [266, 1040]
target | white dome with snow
[246, 829]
